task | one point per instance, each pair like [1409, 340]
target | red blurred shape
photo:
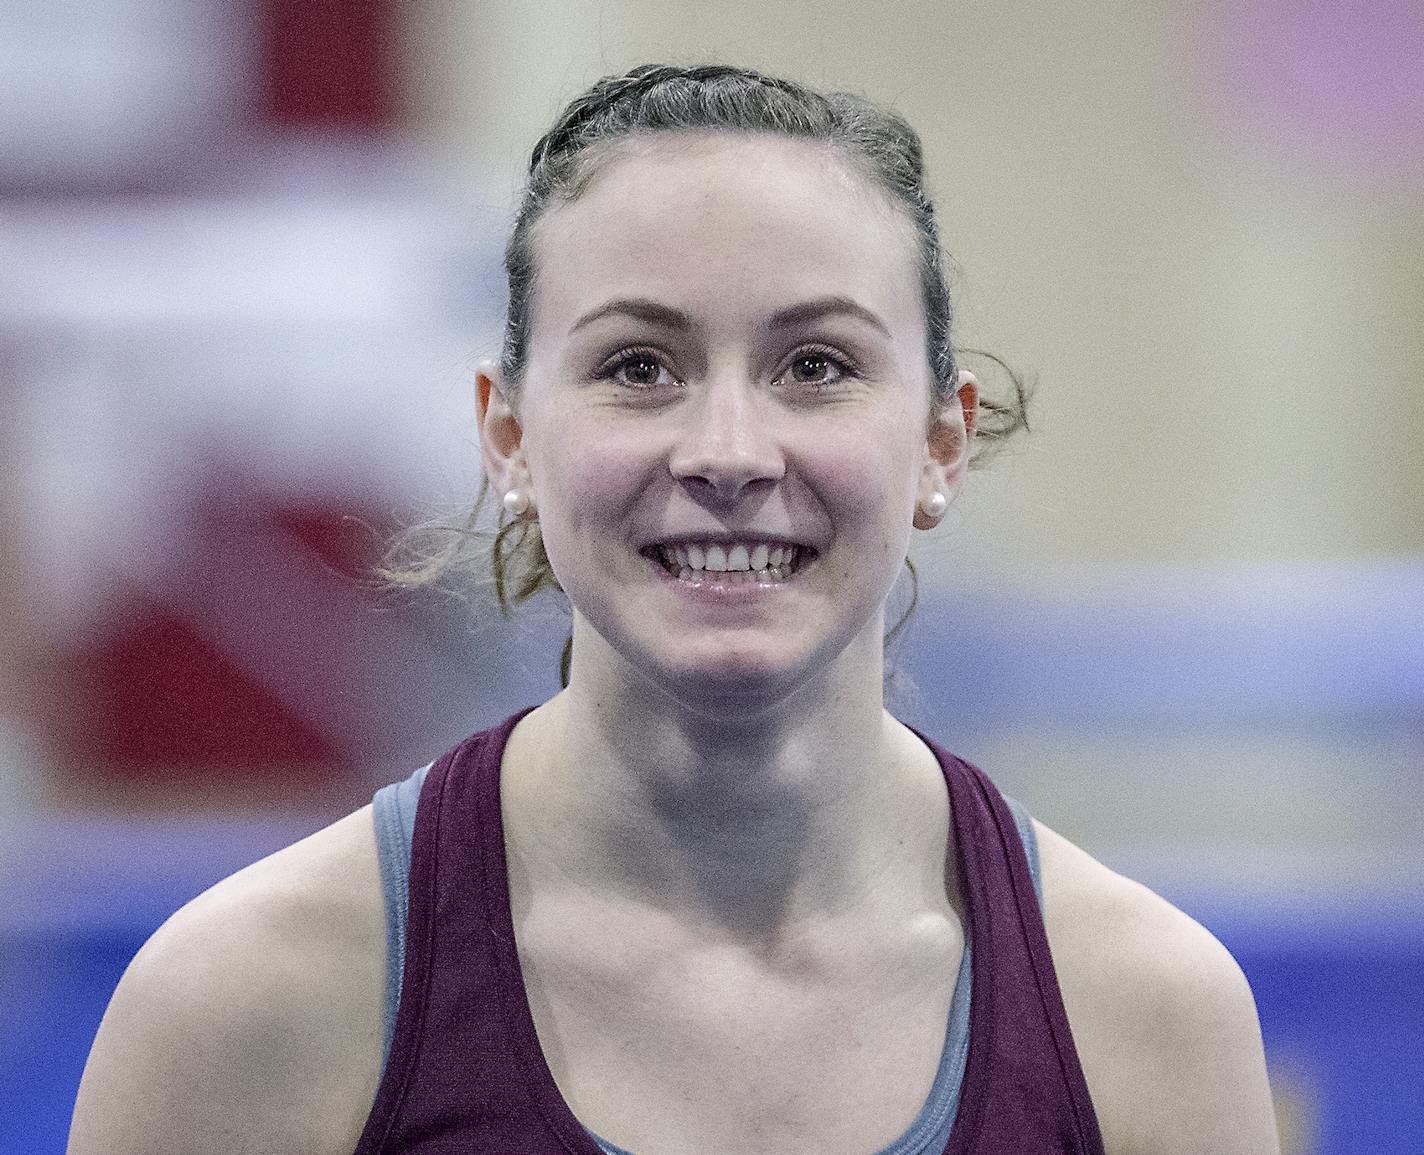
[345, 542]
[164, 703]
[329, 63]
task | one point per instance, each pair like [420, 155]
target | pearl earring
[516, 502]
[935, 504]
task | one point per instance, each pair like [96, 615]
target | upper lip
[725, 537]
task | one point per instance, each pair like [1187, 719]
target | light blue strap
[1029, 837]
[393, 811]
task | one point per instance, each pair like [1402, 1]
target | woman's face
[726, 369]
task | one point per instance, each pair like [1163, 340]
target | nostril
[721, 470]
[724, 487]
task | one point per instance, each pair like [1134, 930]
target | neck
[751, 826]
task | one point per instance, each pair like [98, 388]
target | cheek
[589, 483]
[869, 495]
[871, 470]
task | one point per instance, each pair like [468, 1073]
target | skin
[720, 783]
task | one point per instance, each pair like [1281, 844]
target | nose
[728, 442]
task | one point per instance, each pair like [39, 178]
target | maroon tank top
[466, 1074]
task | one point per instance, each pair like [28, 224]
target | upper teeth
[720, 557]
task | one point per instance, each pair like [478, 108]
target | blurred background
[249, 255]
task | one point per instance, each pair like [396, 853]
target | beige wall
[1228, 344]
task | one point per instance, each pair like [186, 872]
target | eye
[637, 369]
[817, 366]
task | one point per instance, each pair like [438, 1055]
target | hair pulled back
[658, 98]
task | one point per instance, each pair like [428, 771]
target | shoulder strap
[1023, 1085]
[410, 857]
[465, 1072]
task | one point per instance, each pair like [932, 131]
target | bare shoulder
[252, 1019]
[1162, 1017]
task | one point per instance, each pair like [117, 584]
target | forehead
[725, 223]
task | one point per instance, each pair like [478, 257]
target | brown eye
[810, 367]
[637, 369]
[815, 367]
[641, 370]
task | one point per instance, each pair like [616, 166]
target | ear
[951, 436]
[501, 434]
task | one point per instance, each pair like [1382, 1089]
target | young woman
[711, 896]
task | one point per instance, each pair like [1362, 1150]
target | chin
[744, 681]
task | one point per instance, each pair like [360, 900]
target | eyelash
[623, 357]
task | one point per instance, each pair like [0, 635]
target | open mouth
[731, 563]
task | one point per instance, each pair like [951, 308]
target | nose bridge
[728, 439]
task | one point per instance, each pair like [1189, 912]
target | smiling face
[726, 369]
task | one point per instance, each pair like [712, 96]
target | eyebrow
[656, 313]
